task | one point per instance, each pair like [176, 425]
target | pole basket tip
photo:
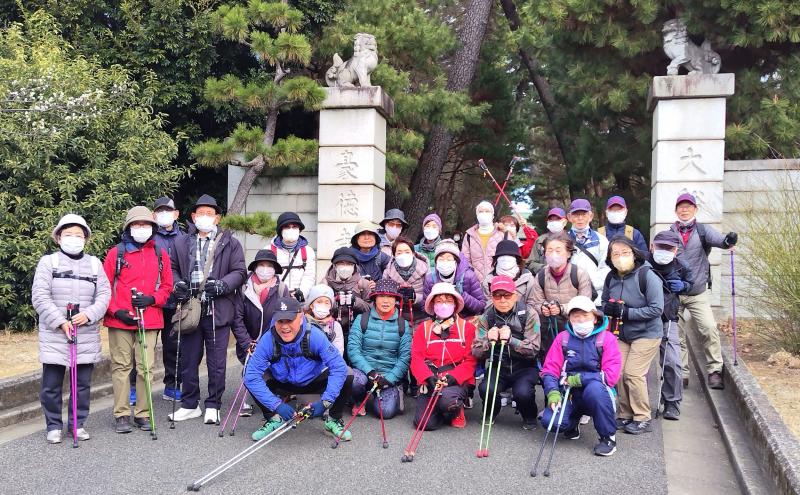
[385, 445]
[220, 434]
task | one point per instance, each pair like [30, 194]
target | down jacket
[50, 297]
[472, 250]
[448, 354]
[467, 284]
[302, 275]
[380, 348]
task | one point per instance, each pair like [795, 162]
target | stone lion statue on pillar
[355, 71]
[682, 52]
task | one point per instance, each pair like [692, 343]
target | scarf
[262, 288]
[365, 257]
[406, 272]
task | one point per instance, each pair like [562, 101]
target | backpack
[573, 277]
[519, 309]
[459, 284]
[628, 231]
[305, 346]
[120, 263]
[598, 346]
[641, 277]
[286, 269]
[401, 327]
[95, 270]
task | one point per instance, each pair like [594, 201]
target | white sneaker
[82, 434]
[183, 414]
[585, 419]
[54, 436]
[247, 410]
[212, 416]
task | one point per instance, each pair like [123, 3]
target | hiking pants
[523, 384]
[593, 399]
[192, 346]
[450, 403]
[390, 397]
[52, 393]
[702, 320]
[670, 360]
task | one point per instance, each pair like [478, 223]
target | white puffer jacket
[298, 277]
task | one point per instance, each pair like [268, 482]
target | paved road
[302, 460]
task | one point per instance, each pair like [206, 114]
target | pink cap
[503, 282]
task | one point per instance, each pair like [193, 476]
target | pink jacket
[472, 250]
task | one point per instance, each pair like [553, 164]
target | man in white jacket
[295, 255]
[590, 246]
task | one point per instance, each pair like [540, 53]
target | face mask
[506, 262]
[555, 226]
[446, 268]
[485, 218]
[344, 271]
[555, 260]
[430, 233]
[444, 310]
[141, 234]
[265, 273]
[686, 223]
[511, 228]
[393, 232]
[165, 218]
[290, 235]
[321, 311]
[623, 264]
[616, 217]
[663, 257]
[582, 329]
[72, 245]
[204, 223]
[582, 231]
[404, 260]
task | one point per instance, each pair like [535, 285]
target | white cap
[584, 304]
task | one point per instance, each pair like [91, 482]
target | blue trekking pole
[558, 429]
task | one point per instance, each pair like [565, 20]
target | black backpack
[573, 277]
[641, 277]
[305, 346]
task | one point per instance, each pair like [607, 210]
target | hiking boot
[622, 423]
[468, 403]
[671, 411]
[356, 412]
[268, 427]
[183, 414]
[686, 382]
[142, 423]
[132, 398]
[574, 433]
[715, 381]
[54, 436]
[335, 428]
[459, 421]
[637, 427]
[171, 394]
[606, 447]
[528, 424]
[122, 424]
[247, 410]
[83, 435]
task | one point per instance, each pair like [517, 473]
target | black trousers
[523, 384]
[316, 386]
[51, 394]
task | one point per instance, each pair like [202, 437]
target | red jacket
[141, 271]
[427, 347]
[530, 239]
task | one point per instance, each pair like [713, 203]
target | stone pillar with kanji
[352, 165]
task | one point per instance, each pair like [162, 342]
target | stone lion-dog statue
[680, 49]
[355, 71]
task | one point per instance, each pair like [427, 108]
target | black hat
[287, 309]
[394, 214]
[507, 248]
[286, 218]
[667, 238]
[206, 200]
[265, 255]
[164, 202]
[385, 287]
[344, 254]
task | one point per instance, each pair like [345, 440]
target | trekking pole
[380, 414]
[485, 169]
[233, 406]
[733, 309]
[145, 366]
[479, 454]
[299, 417]
[214, 345]
[514, 160]
[360, 407]
[416, 437]
[494, 397]
[544, 442]
[72, 341]
[558, 429]
[177, 367]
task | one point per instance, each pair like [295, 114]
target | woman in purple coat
[450, 267]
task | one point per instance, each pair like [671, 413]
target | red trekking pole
[416, 437]
[360, 408]
[486, 171]
[514, 160]
[72, 341]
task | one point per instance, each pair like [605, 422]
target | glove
[298, 294]
[675, 286]
[451, 381]
[317, 409]
[505, 333]
[215, 288]
[493, 334]
[430, 382]
[125, 317]
[407, 293]
[285, 411]
[383, 382]
[731, 239]
[615, 310]
[574, 381]
[181, 292]
[142, 301]
[372, 377]
[553, 398]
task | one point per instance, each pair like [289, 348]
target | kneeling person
[586, 359]
[298, 359]
[508, 319]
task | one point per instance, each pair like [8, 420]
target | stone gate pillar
[689, 150]
[352, 165]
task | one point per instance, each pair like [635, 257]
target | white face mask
[446, 267]
[344, 271]
[321, 310]
[555, 226]
[265, 272]
[290, 235]
[663, 257]
[616, 217]
[582, 329]
[393, 232]
[165, 218]
[404, 260]
[204, 223]
[506, 263]
[430, 233]
[686, 222]
[72, 245]
[141, 234]
[485, 218]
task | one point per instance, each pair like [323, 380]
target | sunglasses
[502, 295]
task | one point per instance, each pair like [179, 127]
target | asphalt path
[302, 461]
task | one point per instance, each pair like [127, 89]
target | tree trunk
[459, 77]
[254, 167]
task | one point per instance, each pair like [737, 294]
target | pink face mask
[444, 309]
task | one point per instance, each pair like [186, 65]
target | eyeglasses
[621, 254]
[502, 296]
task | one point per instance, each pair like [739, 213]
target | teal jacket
[380, 348]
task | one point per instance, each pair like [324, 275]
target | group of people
[582, 312]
